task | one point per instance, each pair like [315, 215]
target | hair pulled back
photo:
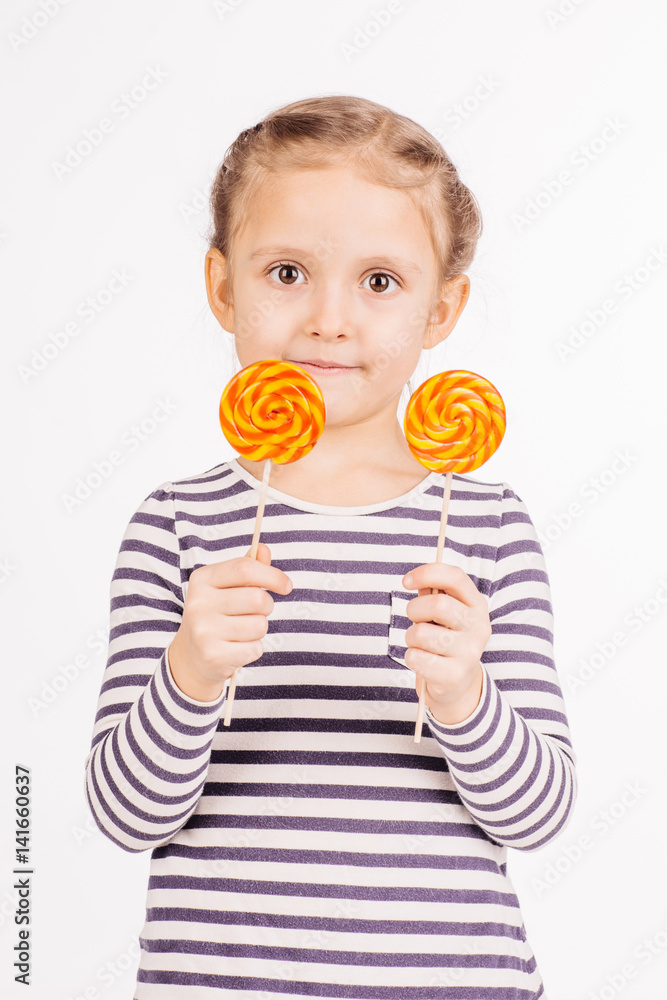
[383, 146]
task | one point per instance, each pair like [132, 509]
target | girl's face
[331, 268]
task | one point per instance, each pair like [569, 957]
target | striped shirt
[287, 861]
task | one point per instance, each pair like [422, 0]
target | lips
[323, 364]
[326, 369]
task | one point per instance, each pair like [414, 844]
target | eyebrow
[396, 262]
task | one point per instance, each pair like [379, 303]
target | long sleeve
[512, 760]
[151, 743]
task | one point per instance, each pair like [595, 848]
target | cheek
[268, 322]
[390, 347]
[258, 332]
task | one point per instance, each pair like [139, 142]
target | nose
[329, 316]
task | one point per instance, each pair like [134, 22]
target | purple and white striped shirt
[311, 848]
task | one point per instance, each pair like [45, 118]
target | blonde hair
[385, 147]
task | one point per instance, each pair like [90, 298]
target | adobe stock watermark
[131, 440]
[122, 107]
[319, 939]
[80, 832]
[579, 159]
[391, 350]
[8, 906]
[645, 952]
[599, 825]
[224, 7]
[289, 971]
[248, 327]
[636, 619]
[146, 776]
[453, 975]
[624, 289]
[245, 837]
[87, 309]
[199, 202]
[51, 688]
[375, 25]
[32, 24]
[462, 110]
[7, 569]
[273, 641]
[591, 491]
[108, 974]
[560, 13]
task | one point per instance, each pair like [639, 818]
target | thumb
[263, 553]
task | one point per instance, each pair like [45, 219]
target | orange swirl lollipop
[273, 411]
[453, 422]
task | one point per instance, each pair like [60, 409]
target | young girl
[311, 847]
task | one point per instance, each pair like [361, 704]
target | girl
[311, 848]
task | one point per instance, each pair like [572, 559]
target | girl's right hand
[224, 618]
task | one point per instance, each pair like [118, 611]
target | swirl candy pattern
[272, 409]
[454, 421]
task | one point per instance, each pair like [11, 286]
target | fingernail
[407, 581]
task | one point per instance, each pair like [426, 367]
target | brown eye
[379, 281]
[287, 273]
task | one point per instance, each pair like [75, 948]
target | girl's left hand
[449, 635]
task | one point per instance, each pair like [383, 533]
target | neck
[351, 464]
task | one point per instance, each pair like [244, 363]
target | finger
[444, 678]
[428, 668]
[443, 609]
[434, 639]
[237, 654]
[451, 579]
[243, 601]
[245, 628]
[263, 553]
[242, 571]
[425, 664]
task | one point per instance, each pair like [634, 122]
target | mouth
[325, 367]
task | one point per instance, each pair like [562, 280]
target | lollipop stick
[253, 555]
[434, 590]
[260, 509]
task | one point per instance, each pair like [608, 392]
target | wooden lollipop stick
[252, 555]
[434, 590]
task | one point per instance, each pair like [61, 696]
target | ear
[448, 306]
[218, 288]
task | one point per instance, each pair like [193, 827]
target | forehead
[336, 205]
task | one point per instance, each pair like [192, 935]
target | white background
[584, 428]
